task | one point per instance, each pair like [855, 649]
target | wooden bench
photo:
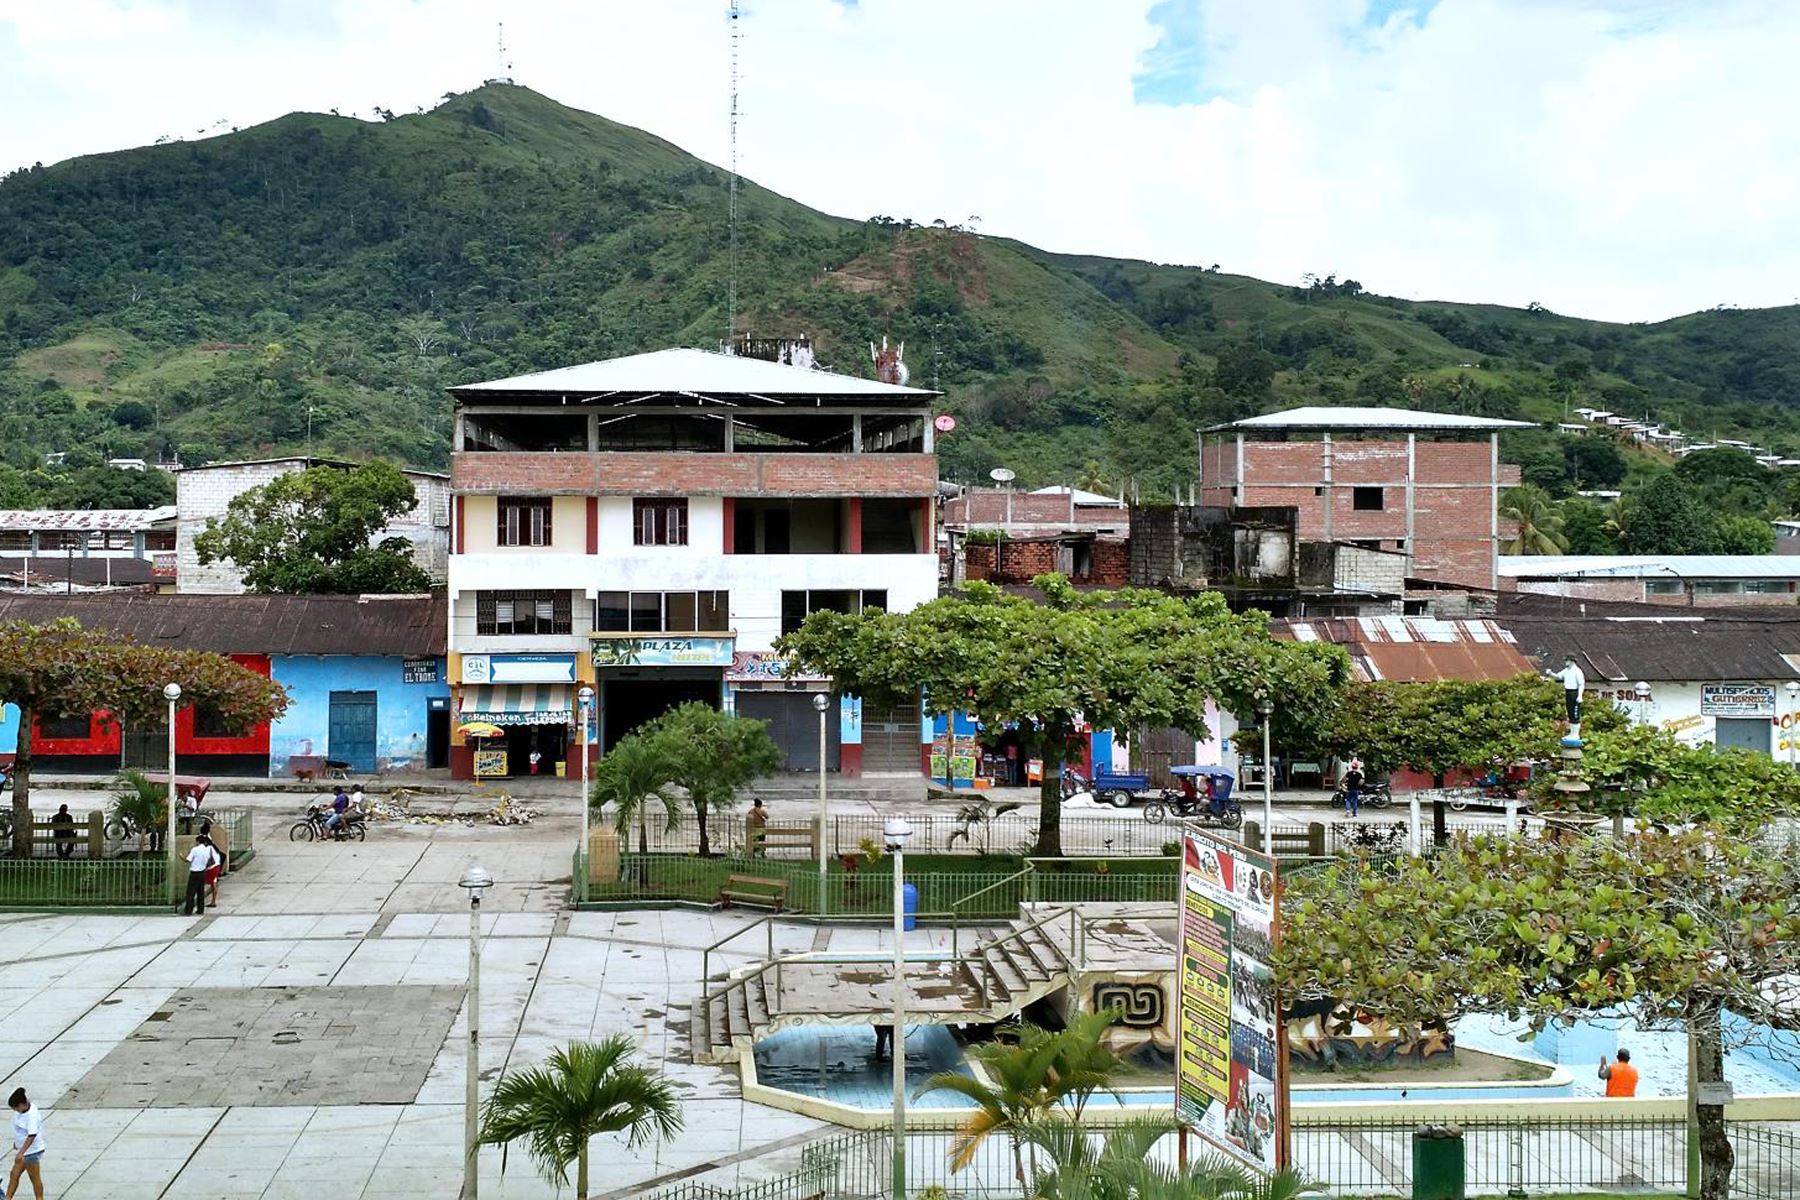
[787, 835]
[755, 891]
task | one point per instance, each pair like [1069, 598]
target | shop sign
[1737, 699]
[518, 668]
[419, 670]
[663, 651]
[764, 666]
[490, 764]
[1229, 1083]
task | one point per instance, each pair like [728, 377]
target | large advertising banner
[1228, 1081]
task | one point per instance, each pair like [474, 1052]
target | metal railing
[1084, 834]
[84, 883]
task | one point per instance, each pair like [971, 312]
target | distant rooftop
[1081, 497]
[1666, 566]
[313, 461]
[690, 372]
[1369, 420]
[113, 519]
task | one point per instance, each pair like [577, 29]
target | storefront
[515, 712]
[640, 678]
[760, 687]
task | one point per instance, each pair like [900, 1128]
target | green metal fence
[84, 883]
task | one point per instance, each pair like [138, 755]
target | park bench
[753, 890]
[787, 835]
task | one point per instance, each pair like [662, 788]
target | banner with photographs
[1228, 1068]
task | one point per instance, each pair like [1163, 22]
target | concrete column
[1412, 467]
[1327, 466]
[1238, 492]
[1494, 511]
[856, 433]
[593, 432]
[730, 433]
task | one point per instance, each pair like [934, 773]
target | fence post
[1253, 835]
[1315, 839]
[1515, 1167]
[96, 835]
[1415, 846]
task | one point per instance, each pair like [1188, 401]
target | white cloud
[1606, 157]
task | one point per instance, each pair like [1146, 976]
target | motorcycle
[1214, 805]
[311, 827]
[1373, 795]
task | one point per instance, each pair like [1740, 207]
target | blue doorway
[350, 732]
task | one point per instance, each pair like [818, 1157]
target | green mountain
[212, 298]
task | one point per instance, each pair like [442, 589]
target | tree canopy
[709, 755]
[1128, 660]
[313, 532]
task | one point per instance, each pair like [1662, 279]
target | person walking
[1353, 782]
[1620, 1076]
[28, 1144]
[200, 860]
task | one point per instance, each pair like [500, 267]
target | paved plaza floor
[354, 957]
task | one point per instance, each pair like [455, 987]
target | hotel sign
[679, 651]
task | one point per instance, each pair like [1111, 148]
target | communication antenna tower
[504, 68]
[731, 215]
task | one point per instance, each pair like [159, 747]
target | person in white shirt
[200, 860]
[1574, 682]
[28, 1144]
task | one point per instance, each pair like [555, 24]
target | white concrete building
[650, 525]
[205, 492]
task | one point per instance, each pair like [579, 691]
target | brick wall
[1112, 564]
[654, 474]
[981, 507]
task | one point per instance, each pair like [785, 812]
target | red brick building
[1425, 484]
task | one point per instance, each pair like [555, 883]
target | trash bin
[1438, 1163]
[909, 904]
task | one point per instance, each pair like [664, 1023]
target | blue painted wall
[400, 708]
[9, 729]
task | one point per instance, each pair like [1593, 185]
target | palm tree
[140, 804]
[1538, 521]
[586, 1088]
[1121, 1167]
[1030, 1079]
[632, 775]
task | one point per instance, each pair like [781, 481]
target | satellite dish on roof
[1001, 475]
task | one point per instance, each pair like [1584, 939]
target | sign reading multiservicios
[1737, 699]
[1230, 1075]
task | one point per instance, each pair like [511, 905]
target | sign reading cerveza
[1229, 1072]
[662, 651]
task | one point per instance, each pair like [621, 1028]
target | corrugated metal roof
[1665, 566]
[302, 460]
[1411, 649]
[1686, 648]
[113, 519]
[705, 372]
[1370, 420]
[368, 625]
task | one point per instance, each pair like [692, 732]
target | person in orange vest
[1620, 1076]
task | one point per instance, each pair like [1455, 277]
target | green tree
[1743, 535]
[140, 804]
[1585, 526]
[1538, 520]
[1670, 928]
[584, 1090]
[61, 670]
[635, 773]
[1594, 462]
[1246, 371]
[1121, 660]
[711, 756]
[313, 531]
[1723, 466]
[1665, 516]
[1042, 1072]
[1544, 470]
[1650, 772]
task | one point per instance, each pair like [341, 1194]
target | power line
[731, 217]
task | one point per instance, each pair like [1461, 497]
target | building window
[62, 539]
[1718, 587]
[209, 724]
[159, 539]
[524, 520]
[15, 539]
[1768, 587]
[1367, 499]
[662, 612]
[500, 614]
[797, 606]
[660, 522]
[71, 729]
[1662, 587]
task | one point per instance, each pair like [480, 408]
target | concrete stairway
[998, 977]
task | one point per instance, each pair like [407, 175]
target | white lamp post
[1265, 710]
[1793, 729]
[584, 707]
[822, 702]
[172, 693]
[1643, 699]
[477, 880]
[896, 832]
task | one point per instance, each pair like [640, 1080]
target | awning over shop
[518, 704]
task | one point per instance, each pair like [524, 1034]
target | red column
[593, 524]
[730, 544]
[855, 530]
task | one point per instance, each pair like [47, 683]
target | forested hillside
[199, 298]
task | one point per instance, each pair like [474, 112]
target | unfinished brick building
[1424, 484]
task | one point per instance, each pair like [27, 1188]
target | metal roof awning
[518, 704]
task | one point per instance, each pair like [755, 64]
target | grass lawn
[52, 883]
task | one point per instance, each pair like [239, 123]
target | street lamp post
[477, 880]
[896, 832]
[1643, 698]
[1266, 710]
[821, 702]
[584, 707]
[1793, 729]
[171, 693]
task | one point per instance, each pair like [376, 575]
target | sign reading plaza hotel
[1230, 1062]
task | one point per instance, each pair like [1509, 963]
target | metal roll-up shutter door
[794, 724]
[891, 741]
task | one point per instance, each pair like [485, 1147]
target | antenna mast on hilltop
[731, 215]
[504, 71]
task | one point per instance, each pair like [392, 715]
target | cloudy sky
[1625, 159]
